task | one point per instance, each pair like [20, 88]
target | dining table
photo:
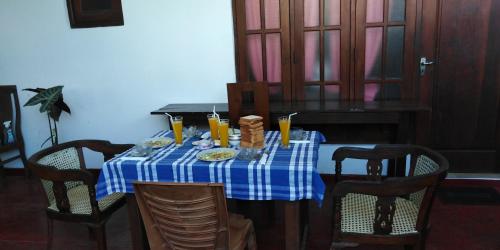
[282, 174]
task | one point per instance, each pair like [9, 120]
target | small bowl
[204, 144]
[234, 142]
[141, 150]
[235, 137]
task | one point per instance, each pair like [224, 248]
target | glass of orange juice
[213, 122]
[177, 127]
[224, 133]
[284, 122]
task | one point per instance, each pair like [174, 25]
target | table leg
[292, 225]
[397, 167]
[137, 231]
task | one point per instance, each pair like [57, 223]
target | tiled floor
[23, 223]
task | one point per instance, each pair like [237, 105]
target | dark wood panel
[305, 106]
[466, 96]
[471, 161]
[343, 118]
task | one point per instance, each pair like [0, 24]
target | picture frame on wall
[94, 13]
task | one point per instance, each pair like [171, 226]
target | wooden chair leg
[100, 236]
[50, 232]
[251, 241]
[22, 153]
[423, 239]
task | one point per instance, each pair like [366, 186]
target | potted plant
[51, 102]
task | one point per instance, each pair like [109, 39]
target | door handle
[423, 64]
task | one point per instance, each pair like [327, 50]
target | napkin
[263, 159]
[300, 141]
[133, 158]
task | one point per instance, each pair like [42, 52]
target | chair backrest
[11, 111]
[425, 164]
[238, 95]
[64, 156]
[62, 159]
[427, 169]
[184, 216]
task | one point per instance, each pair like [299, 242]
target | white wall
[167, 52]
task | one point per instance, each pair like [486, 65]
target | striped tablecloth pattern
[288, 174]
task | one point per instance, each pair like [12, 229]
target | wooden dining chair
[10, 111]
[248, 98]
[191, 216]
[70, 187]
[389, 211]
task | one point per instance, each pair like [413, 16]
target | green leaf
[46, 98]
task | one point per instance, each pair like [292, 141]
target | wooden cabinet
[328, 49]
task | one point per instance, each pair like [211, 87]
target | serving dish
[217, 154]
[158, 142]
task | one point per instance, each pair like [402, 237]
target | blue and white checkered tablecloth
[288, 174]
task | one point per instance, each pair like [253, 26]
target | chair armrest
[108, 149]
[105, 146]
[57, 175]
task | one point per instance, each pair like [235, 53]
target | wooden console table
[341, 122]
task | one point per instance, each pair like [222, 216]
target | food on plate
[157, 142]
[217, 155]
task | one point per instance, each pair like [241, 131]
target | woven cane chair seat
[358, 214]
[79, 201]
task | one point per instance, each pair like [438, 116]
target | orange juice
[224, 133]
[177, 127]
[213, 122]
[285, 131]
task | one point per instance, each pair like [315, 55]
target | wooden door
[385, 49]
[321, 49]
[262, 36]
[466, 89]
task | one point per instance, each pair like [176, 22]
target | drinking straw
[290, 119]
[216, 115]
[170, 117]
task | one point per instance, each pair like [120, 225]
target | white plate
[158, 142]
[205, 154]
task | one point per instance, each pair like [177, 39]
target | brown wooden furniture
[10, 111]
[392, 210]
[329, 50]
[339, 121]
[466, 92]
[294, 214]
[70, 187]
[372, 50]
[189, 216]
[95, 13]
[258, 105]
